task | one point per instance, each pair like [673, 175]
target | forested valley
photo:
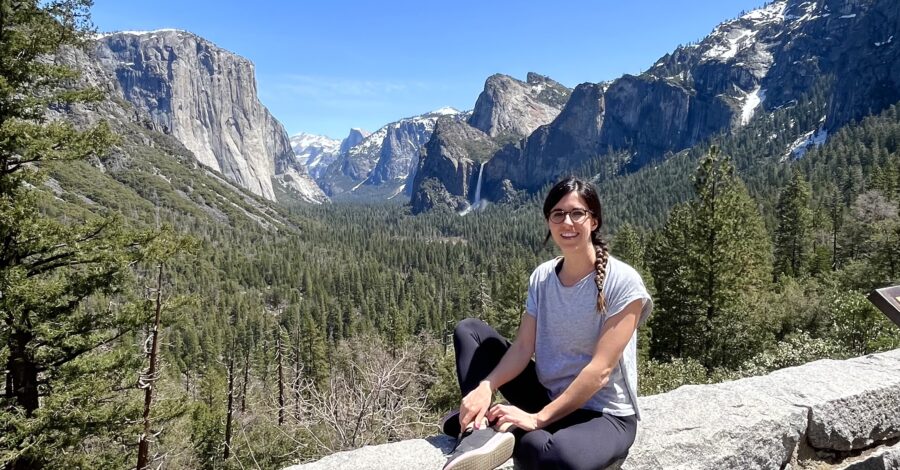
[153, 315]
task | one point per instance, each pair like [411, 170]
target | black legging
[585, 439]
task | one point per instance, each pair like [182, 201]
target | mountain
[380, 164]
[507, 111]
[462, 149]
[770, 58]
[206, 98]
[315, 152]
[510, 109]
[353, 139]
[148, 172]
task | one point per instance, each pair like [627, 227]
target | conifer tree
[712, 251]
[793, 235]
[53, 344]
[627, 246]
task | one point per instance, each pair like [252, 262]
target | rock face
[353, 139]
[509, 109]
[448, 172]
[380, 165]
[315, 152]
[206, 98]
[768, 58]
[769, 422]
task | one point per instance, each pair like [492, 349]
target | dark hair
[587, 192]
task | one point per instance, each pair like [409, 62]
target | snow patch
[883, 43]
[445, 111]
[730, 38]
[358, 185]
[139, 33]
[734, 39]
[398, 191]
[806, 142]
[754, 98]
[852, 15]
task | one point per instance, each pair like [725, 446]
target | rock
[509, 109]
[206, 97]
[380, 165]
[842, 51]
[315, 152]
[851, 404]
[451, 163]
[886, 458]
[506, 111]
[776, 421]
[412, 454]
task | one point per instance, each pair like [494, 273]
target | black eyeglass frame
[562, 215]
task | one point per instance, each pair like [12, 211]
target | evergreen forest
[154, 316]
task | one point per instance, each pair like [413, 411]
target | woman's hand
[502, 414]
[475, 405]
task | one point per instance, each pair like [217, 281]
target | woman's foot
[481, 449]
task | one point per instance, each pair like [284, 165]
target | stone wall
[822, 415]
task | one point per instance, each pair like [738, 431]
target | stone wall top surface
[766, 422]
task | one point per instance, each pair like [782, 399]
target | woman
[575, 405]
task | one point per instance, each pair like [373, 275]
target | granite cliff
[206, 98]
[380, 165]
[507, 111]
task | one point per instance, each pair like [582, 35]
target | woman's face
[569, 233]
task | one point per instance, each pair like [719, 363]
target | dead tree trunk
[278, 357]
[147, 379]
[230, 402]
[298, 367]
[246, 381]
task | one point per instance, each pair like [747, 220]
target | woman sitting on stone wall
[575, 404]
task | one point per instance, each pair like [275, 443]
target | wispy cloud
[343, 90]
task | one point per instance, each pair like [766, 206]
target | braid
[600, 266]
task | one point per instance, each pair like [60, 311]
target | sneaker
[482, 449]
[450, 424]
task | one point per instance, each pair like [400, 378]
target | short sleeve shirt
[568, 327]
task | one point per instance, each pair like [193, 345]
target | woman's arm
[475, 404]
[616, 333]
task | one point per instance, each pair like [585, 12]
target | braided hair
[587, 193]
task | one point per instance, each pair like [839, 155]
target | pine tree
[793, 235]
[712, 251]
[676, 321]
[54, 344]
[627, 246]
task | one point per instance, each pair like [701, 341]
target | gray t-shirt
[568, 327]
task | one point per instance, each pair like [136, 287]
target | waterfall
[476, 204]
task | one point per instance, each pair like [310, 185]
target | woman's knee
[468, 327]
[529, 449]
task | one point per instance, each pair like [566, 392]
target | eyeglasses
[558, 216]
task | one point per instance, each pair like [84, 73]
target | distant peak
[535, 78]
[142, 33]
[445, 111]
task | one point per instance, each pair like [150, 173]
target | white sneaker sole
[487, 457]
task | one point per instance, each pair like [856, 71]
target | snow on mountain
[391, 152]
[733, 37]
[751, 102]
[806, 142]
[315, 152]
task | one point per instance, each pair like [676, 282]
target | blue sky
[325, 66]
